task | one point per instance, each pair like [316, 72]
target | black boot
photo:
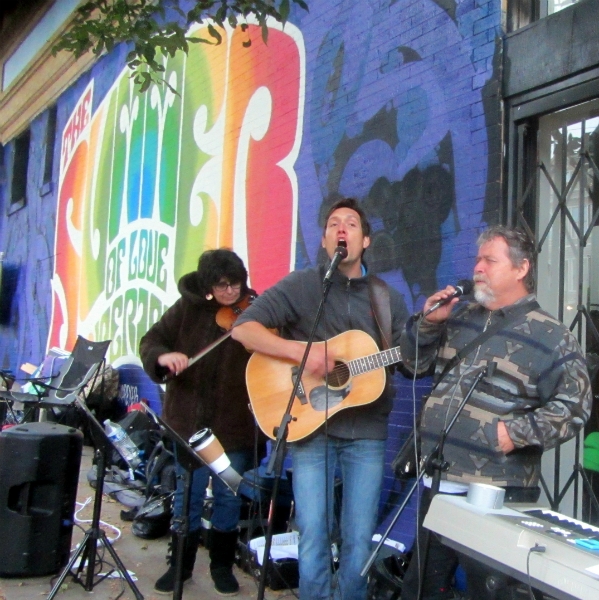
[166, 583]
[222, 556]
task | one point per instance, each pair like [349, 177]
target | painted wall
[392, 102]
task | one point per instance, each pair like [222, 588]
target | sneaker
[225, 583]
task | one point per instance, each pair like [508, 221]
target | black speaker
[39, 471]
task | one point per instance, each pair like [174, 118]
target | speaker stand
[88, 549]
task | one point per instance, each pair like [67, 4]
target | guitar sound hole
[339, 376]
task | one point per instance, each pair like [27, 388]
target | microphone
[340, 254]
[462, 288]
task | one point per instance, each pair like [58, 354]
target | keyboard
[504, 538]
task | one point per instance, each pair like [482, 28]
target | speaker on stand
[39, 472]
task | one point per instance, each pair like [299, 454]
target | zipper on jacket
[487, 323]
[488, 320]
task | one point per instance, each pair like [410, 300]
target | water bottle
[123, 443]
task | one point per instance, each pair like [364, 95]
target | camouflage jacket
[540, 389]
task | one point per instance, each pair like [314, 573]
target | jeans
[361, 464]
[226, 506]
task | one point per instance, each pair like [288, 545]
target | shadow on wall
[407, 218]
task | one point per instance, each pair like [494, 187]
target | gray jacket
[540, 389]
[291, 306]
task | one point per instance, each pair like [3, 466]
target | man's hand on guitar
[175, 362]
[318, 364]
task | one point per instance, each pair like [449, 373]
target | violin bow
[199, 355]
[208, 348]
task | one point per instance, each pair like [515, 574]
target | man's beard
[483, 293]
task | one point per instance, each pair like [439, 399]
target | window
[568, 218]
[49, 142]
[553, 6]
[525, 12]
[555, 158]
[18, 182]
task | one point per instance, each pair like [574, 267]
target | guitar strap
[381, 307]
[486, 334]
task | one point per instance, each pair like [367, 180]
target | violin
[225, 319]
[227, 315]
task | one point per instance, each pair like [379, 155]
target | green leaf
[144, 85]
[158, 28]
[284, 10]
[264, 28]
[214, 33]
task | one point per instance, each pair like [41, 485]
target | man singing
[538, 397]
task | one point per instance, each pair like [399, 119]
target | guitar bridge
[301, 393]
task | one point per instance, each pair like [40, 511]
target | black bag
[154, 516]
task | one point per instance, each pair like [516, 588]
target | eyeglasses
[223, 285]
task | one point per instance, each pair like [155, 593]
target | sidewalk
[145, 558]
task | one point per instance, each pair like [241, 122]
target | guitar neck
[378, 360]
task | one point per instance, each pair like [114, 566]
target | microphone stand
[279, 449]
[436, 462]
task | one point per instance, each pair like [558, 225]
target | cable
[326, 453]
[537, 548]
[82, 505]
[417, 461]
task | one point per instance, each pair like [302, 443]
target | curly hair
[520, 248]
[215, 265]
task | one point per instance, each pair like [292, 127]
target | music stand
[6, 379]
[190, 461]
[88, 548]
[65, 386]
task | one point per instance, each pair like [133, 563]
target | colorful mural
[147, 182]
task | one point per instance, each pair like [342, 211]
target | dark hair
[354, 205]
[520, 248]
[216, 264]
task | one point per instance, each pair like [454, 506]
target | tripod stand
[558, 495]
[88, 548]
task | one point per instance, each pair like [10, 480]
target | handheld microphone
[462, 288]
[340, 254]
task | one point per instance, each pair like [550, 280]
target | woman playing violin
[209, 393]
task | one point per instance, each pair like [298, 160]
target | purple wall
[402, 111]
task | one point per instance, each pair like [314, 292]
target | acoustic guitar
[358, 378]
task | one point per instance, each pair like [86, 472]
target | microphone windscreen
[341, 251]
[466, 286]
